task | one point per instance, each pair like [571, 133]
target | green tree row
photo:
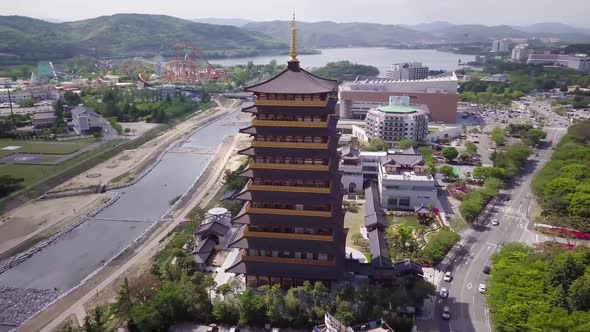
[540, 289]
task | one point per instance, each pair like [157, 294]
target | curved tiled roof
[294, 80]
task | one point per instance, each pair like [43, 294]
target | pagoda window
[319, 162]
[259, 160]
[275, 253]
[307, 118]
[298, 139]
[298, 183]
[299, 207]
[308, 231]
[299, 230]
[276, 229]
[309, 255]
[322, 257]
[252, 252]
[262, 252]
[309, 161]
[288, 139]
[288, 160]
[318, 140]
[298, 254]
[308, 139]
[299, 161]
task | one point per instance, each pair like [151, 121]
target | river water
[66, 262]
[380, 57]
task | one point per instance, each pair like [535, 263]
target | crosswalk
[509, 210]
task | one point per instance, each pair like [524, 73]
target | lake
[380, 57]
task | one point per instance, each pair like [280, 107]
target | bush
[439, 245]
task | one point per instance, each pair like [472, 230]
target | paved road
[467, 305]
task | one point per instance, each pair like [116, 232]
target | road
[480, 242]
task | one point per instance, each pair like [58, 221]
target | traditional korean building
[292, 222]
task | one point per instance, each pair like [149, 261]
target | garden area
[45, 147]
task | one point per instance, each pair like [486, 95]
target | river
[380, 57]
[66, 262]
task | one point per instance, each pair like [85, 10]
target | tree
[449, 153]
[447, 171]
[579, 293]
[401, 239]
[483, 173]
[252, 309]
[534, 136]
[406, 143]
[58, 108]
[29, 102]
[580, 205]
[8, 183]
[122, 307]
[71, 98]
[344, 313]
[376, 145]
[439, 244]
[240, 76]
[498, 136]
[470, 148]
[97, 322]
[273, 301]
[226, 311]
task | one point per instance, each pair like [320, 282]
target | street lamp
[10, 105]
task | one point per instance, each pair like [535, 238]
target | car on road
[495, 222]
[482, 288]
[444, 293]
[487, 269]
[446, 313]
[448, 277]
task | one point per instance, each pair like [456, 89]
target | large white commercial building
[520, 53]
[407, 71]
[439, 94]
[548, 59]
[397, 121]
[401, 176]
[499, 46]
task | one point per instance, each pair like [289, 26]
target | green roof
[398, 109]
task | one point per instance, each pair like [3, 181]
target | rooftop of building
[395, 109]
[361, 80]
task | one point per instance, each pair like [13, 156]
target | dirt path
[110, 276]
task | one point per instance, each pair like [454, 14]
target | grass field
[406, 220]
[34, 173]
[30, 146]
[354, 222]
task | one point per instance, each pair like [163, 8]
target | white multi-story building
[579, 62]
[397, 121]
[520, 53]
[499, 46]
[407, 71]
[401, 176]
[86, 120]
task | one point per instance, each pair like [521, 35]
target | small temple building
[292, 220]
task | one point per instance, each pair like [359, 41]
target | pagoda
[292, 223]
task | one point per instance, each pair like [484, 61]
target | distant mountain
[24, 39]
[554, 28]
[429, 27]
[237, 22]
[51, 20]
[331, 34]
[477, 32]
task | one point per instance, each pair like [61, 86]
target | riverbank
[136, 260]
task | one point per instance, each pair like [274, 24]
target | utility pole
[10, 104]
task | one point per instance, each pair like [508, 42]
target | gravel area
[18, 304]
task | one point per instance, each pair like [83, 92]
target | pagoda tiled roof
[294, 80]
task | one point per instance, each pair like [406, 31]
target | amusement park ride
[191, 66]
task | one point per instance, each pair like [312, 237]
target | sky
[488, 12]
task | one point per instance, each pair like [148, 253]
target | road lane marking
[469, 285]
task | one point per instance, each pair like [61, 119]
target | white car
[448, 277]
[444, 293]
[482, 288]
[495, 222]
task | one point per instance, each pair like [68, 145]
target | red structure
[190, 65]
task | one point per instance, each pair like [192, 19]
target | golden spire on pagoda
[293, 51]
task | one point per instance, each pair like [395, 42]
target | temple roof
[294, 80]
[374, 215]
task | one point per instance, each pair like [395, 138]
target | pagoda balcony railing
[289, 145]
[290, 167]
[290, 189]
[297, 103]
[288, 236]
[294, 124]
[302, 261]
[289, 212]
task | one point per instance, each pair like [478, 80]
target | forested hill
[331, 34]
[24, 39]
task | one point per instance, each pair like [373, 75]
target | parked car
[482, 288]
[444, 293]
[446, 313]
[495, 222]
[448, 277]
